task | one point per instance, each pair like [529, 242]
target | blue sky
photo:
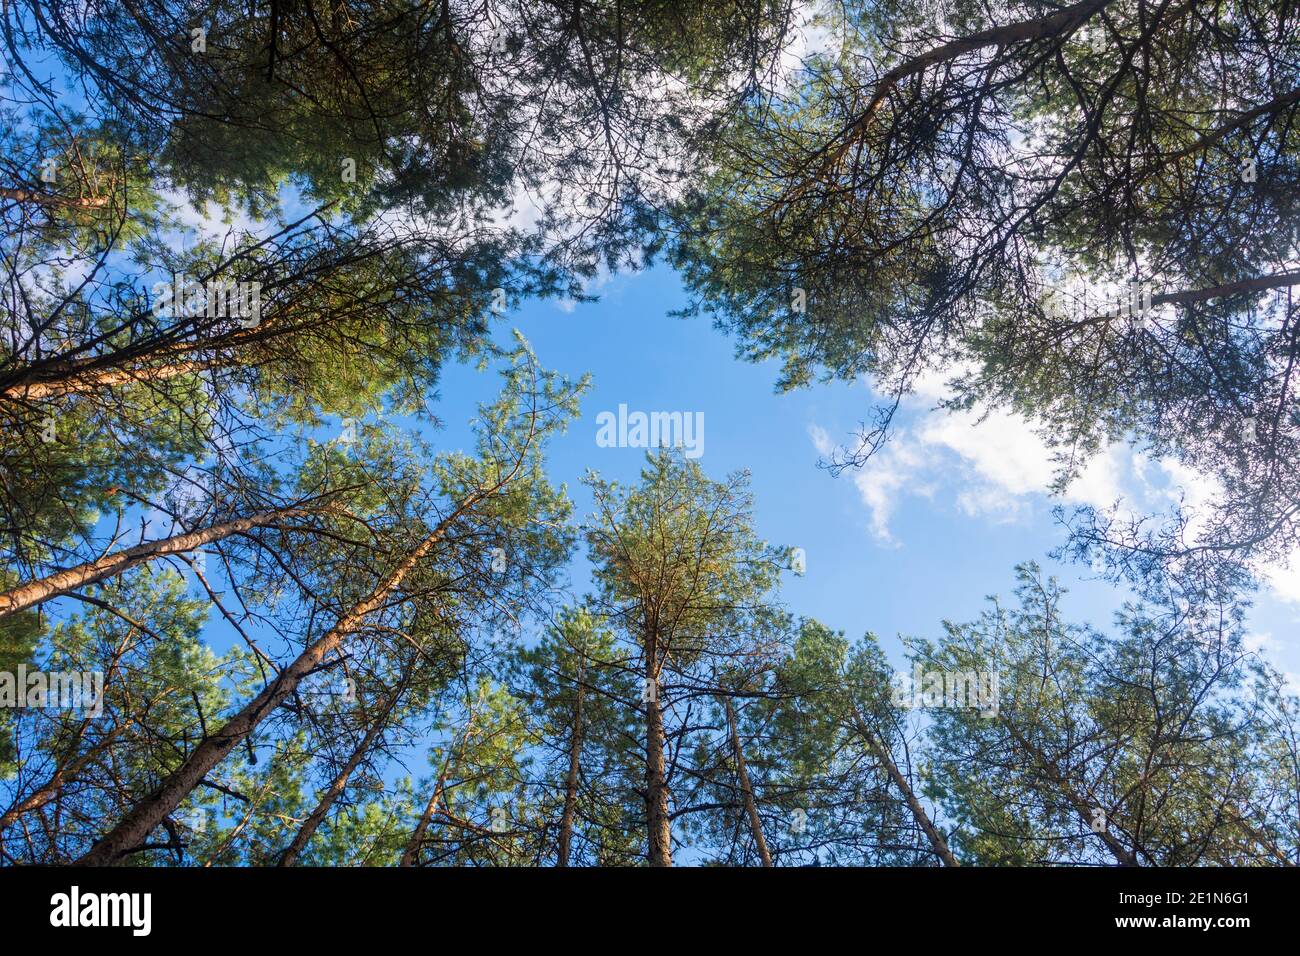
[922, 534]
[933, 525]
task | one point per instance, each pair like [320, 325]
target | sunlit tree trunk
[132, 830]
[658, 824]
[1122, 854]
[91, 380]
[937, 840]
[35, 592]
[417, 835]
[746, 791]
[43, 794]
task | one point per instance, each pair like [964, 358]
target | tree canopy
[240, 243]
[1081, 212]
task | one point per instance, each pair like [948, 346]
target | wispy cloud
[999, 469]
[990, 467]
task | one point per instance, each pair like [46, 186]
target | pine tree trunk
[21, 195]
[45, 793]
[937, 841]
[571, 781]
[82, 382]
[50, 789]
[56, 377]
[417, 835]
[36, 592]
[1122, 854]
[340, 781]
[658, 825]
[746, 791]
[135, 827]
[73, 767]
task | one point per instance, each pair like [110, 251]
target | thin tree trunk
[1122, 854]
[36, 592]
[233, 833]
[417, 835]
[449, 763]
[72, 768]
[340, 781]
[658, 824]
[157, 362]
[47, 791]
[1053, 24]
[133, 829]
[154, 361]
[746, 791]
[571, 781]
[936, 838]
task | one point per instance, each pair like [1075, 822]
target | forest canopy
[315, 633]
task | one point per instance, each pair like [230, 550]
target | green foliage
[878, 214]
[1151, 739]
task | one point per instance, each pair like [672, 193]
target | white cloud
[807, 39]
[209, 222]
[998, 468]
[932, 384]
[1260, 641]
[821, 440]
[992, 466]
[1283, 579]
[991, 502]
[901, 466]
[527, 207]
[1002, 449]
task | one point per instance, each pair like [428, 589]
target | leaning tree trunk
[83, 382]
[70, 770]
[417, 835]
[746, 791]
[132, 829]
[1122, 854]
[340, 781]
[937, 841]
[56, 377]
[43, 794]
[149, 362]
[61, 582]
[571, 781]
[20, 195]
